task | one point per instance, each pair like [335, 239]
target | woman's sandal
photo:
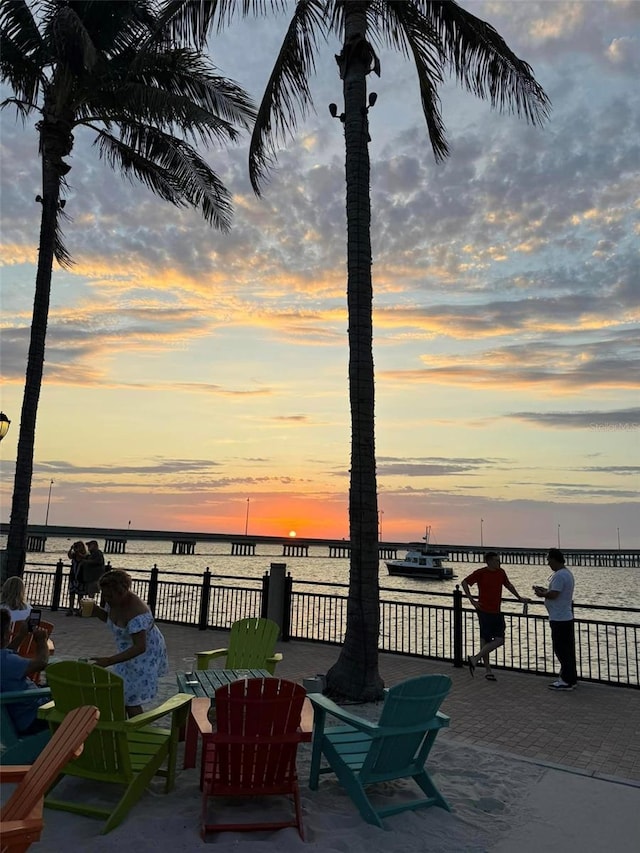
[490, 677]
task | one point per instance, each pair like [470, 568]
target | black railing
[441, 628]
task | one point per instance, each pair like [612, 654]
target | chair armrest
[21, 695]
[13, 773]
[204, 658]
[176, 703]
[325, 706]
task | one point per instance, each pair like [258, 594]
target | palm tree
[440, 37]
[112, 68]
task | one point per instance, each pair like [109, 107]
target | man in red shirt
[490, 579]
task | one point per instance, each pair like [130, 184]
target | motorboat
[422, 561]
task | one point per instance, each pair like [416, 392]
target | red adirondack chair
[253, 752]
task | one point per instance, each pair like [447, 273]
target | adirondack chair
[16, 748]
[253, 751]
[251, 646]
[361, 753]
[27, 648]
[121, 751]
[21, 819]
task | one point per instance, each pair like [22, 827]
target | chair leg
[427, 785]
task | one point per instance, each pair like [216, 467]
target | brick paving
[594, 730]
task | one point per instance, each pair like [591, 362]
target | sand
[499, 803]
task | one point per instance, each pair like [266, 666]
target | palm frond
[62, 256]
[483, 62]
[405, 28]
[20, 48]
[193, 20]
[287, 96]
[171, 169]
[172, 81]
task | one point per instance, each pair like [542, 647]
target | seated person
[15, 669]
[12, 596]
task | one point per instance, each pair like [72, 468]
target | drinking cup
[87, 605]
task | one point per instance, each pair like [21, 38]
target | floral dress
[140, 674]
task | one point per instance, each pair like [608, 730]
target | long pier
[185, 543]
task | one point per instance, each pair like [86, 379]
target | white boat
[422, 561]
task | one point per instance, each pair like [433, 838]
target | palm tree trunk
[355, 674]
[17, 538]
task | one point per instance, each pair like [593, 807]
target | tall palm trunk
[355, 673]
[51, 178]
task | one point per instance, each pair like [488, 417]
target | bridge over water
[114, 541]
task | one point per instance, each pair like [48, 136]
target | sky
[197, 381]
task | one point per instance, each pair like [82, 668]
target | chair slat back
[412, 705]
[64, 746]
[75, 683]
[251, 642]
[257, 733]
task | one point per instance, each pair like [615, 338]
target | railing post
[286, 611]
[205, 595]
[457, 627]
[57, 586]
[152, 596]
[276, 599]
[264, 604]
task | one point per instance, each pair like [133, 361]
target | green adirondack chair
[362, 753]
[121, 751]
[16, 748]
[251, 646]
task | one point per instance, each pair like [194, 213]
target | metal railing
[440, 628]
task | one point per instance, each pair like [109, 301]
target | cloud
[612, 420]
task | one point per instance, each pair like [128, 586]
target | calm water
[612, 587]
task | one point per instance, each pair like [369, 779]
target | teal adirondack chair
[14, 747]
[120, 751]
[361, 753]
[251, 646]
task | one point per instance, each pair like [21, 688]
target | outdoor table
[198, 723]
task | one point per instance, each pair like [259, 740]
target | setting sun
[292, 533]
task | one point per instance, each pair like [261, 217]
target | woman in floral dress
[141, 658]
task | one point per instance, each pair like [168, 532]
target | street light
[46, 520]
[380, 514]
[246, 521]
[481, 533]
[558, 536]
[618, 529]
[5, 423]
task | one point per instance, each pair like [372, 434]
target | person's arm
[465, 587]
[543, 592]
[512, 589]
[99, 612]
[139, 647]
[41, 658]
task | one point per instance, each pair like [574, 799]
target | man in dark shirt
[92, 568]
[490, 580]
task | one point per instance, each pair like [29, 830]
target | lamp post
[481, 533]
[558, 536]
[246, 520]
[46, 520]
[618, 529]
[380, 514]
[5, 423]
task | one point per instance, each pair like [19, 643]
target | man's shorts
[492, 626]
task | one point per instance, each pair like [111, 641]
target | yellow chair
[251, 646]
